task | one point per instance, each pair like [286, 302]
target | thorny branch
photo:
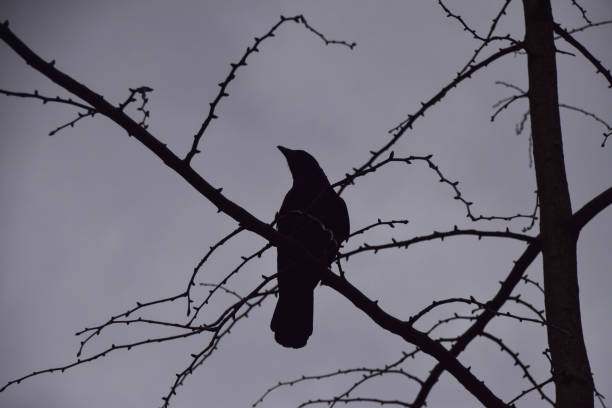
[398, 131]
[350, 178]
[301, 19]
[103, 353]
[489, 37]
[243, 62]
[520, 126]
[232, 317]
[225, 280]
[606, 135]
[587, 54]
[377, 401]
[582, 12]
[89, 111]
[212, 249]
[379, 222]
[435, 235]
[73, 122]
[536, 284]
[504, 103]
[97, 330]
[480, 307]
[395, 368]
[524, 367]
[222, 288]
[330, 401]
[579, 220]
[251, 223]
[587, 26]
[367, 373]
[46, 99]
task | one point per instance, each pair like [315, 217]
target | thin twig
[212, 249]
[587, 54]
[595, 117]
[365, 247]
[398, 131]
[223, 86]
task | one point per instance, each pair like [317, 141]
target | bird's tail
[292, 319]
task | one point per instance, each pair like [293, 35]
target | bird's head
[303, 167]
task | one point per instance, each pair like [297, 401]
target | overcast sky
[93, 222]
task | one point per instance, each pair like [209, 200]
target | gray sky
[93, 222]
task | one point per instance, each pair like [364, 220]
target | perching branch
[249, 222]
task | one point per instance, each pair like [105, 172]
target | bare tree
[559, 228]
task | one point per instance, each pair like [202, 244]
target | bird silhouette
[313, 214]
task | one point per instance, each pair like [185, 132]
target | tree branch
[249, 222]
[446, 359]
[242, 62]
[587, 54]
[413, 336]
[437, 235]
[578, 221]
[400, 129]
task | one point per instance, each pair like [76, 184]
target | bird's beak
[284, 150]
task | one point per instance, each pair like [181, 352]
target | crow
[313, 214]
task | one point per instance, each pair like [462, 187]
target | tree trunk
[570, 364]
